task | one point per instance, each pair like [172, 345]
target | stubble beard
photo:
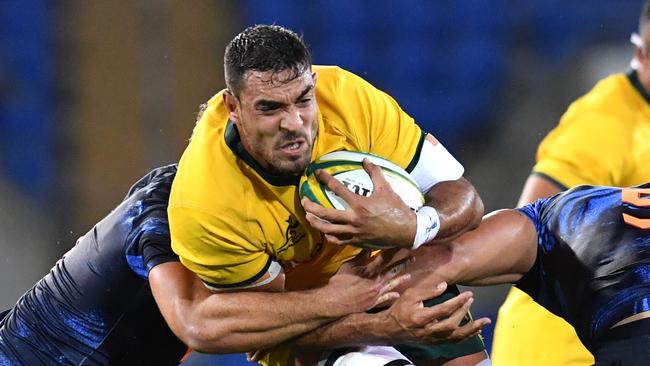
[290, 167]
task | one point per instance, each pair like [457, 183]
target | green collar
[634, 79]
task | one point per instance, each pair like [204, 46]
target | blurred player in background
[235, 216]
[602, 139]
[583, 255]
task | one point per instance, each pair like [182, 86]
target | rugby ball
[347, 168]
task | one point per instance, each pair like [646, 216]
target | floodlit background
[93, 94]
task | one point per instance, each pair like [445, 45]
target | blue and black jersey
[95, 306]
[593, 257]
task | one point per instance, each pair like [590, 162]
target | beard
[281, 165]
[289, 168]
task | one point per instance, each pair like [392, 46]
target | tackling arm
[247, 320]
[501, 250]
[406, 321]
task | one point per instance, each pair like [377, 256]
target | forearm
[238, 321]
[353, 330]
[241, 322]
[405, 321]
[459, 206]
[500, 250]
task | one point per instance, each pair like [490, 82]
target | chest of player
[278, 222]
[280, 227]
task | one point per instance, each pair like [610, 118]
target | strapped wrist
[428, 224]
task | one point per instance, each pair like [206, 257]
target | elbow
[214, 339]
[195, 338]
[479, 210]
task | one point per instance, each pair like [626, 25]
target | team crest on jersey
[293, 234]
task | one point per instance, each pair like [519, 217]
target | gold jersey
[602, 139]
[229, 219]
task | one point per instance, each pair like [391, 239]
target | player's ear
[230, 101]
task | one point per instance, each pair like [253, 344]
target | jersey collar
[634, 79]
[233, 140]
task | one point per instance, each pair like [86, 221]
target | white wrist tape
[428, 224]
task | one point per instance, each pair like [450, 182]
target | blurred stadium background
[95, 93]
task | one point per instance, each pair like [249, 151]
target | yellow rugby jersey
[229, 219]
[602, 139]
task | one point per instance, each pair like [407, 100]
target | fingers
[327, 226]
[387, 295]
[395, 282]
[458, 313]
[321, 213]
[468, 330]
[375, 173]
[256, 355]
[337, 187]
[420, 294]
[452, 310]
[386, 299]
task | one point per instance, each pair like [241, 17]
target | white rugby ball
[347, 168]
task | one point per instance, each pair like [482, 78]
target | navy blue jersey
[95, 306]
[593, 257]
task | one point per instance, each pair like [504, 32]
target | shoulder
[606, 105]
[209, 174]
[574, 207]
[591, 142]
[334, 80]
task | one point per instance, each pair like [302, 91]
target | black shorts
[625, 345]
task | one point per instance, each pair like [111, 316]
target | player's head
[271, 97]
[641, 40]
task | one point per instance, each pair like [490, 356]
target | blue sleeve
[150, 246]
[148, 243]
[537, 282]
[538, 213]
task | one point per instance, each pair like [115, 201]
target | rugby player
[583, 254]
[602, 139]
[96, 306]
[235, 216]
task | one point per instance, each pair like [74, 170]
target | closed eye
[304, 101]
[267, 106]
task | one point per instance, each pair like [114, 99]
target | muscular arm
[247, 320]
[231, 322]
[406, 321]
[459, 206]
[501, 250]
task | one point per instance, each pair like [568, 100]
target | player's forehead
[270, 85]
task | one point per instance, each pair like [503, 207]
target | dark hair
[644, 19]
[264, 48]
